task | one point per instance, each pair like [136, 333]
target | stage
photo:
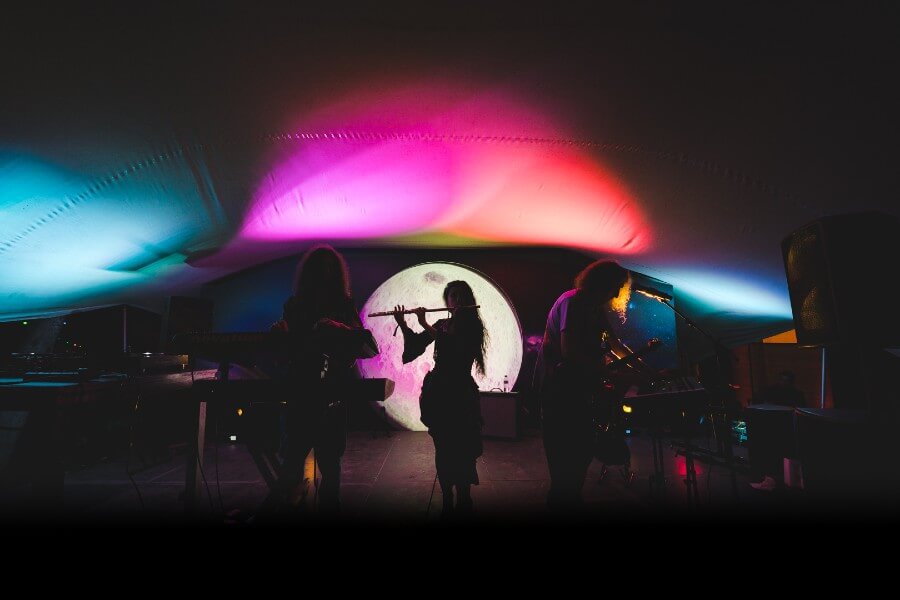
[388, 478]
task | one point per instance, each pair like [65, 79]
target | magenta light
[356, 190]
[438, 160]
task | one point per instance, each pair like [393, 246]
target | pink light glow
[358, 190]
[441, 159]
[545, 194]
[681, 466]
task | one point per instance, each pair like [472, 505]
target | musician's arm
[326, 323]
[428, 328]
[348, 321]
[414, 344]
[621, 351]
[420, 315]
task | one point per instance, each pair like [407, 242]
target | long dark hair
[607, 277]
[602, 276]
[321, 280]
[469, 318]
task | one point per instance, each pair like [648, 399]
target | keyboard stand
[266, 461]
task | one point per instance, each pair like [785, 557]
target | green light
[24, 322]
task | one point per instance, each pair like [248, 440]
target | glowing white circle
[423, 285]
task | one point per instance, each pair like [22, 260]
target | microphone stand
[718, 415]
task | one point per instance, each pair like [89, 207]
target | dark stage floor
[389, 478]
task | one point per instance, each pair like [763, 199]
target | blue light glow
[70, 240]
[723, 292]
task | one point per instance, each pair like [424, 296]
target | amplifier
[500, 413]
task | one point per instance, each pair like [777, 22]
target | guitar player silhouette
[573, 368]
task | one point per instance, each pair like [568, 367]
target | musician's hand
[399, 316]
[279, 326]
[420, 315]
[325, 322]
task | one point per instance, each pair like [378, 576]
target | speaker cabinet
[837, 453]
[771, 437]
[500, 414]
[838, 270]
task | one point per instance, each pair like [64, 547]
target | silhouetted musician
[326, 383]
[321, 307]
[318, 340]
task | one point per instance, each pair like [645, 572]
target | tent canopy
[144, 154]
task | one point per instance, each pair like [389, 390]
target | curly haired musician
[321, 303]
[578, 339]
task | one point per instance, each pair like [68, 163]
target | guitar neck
[623, 361]
[634, 356]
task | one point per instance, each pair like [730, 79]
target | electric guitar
[615, 365]
[606, 412]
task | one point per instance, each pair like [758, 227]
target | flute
[409, 311]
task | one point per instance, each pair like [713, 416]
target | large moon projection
[423, 285]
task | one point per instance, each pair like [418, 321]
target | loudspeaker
[837, 452]
[837, 282]
[500, 415]
[771, 437]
